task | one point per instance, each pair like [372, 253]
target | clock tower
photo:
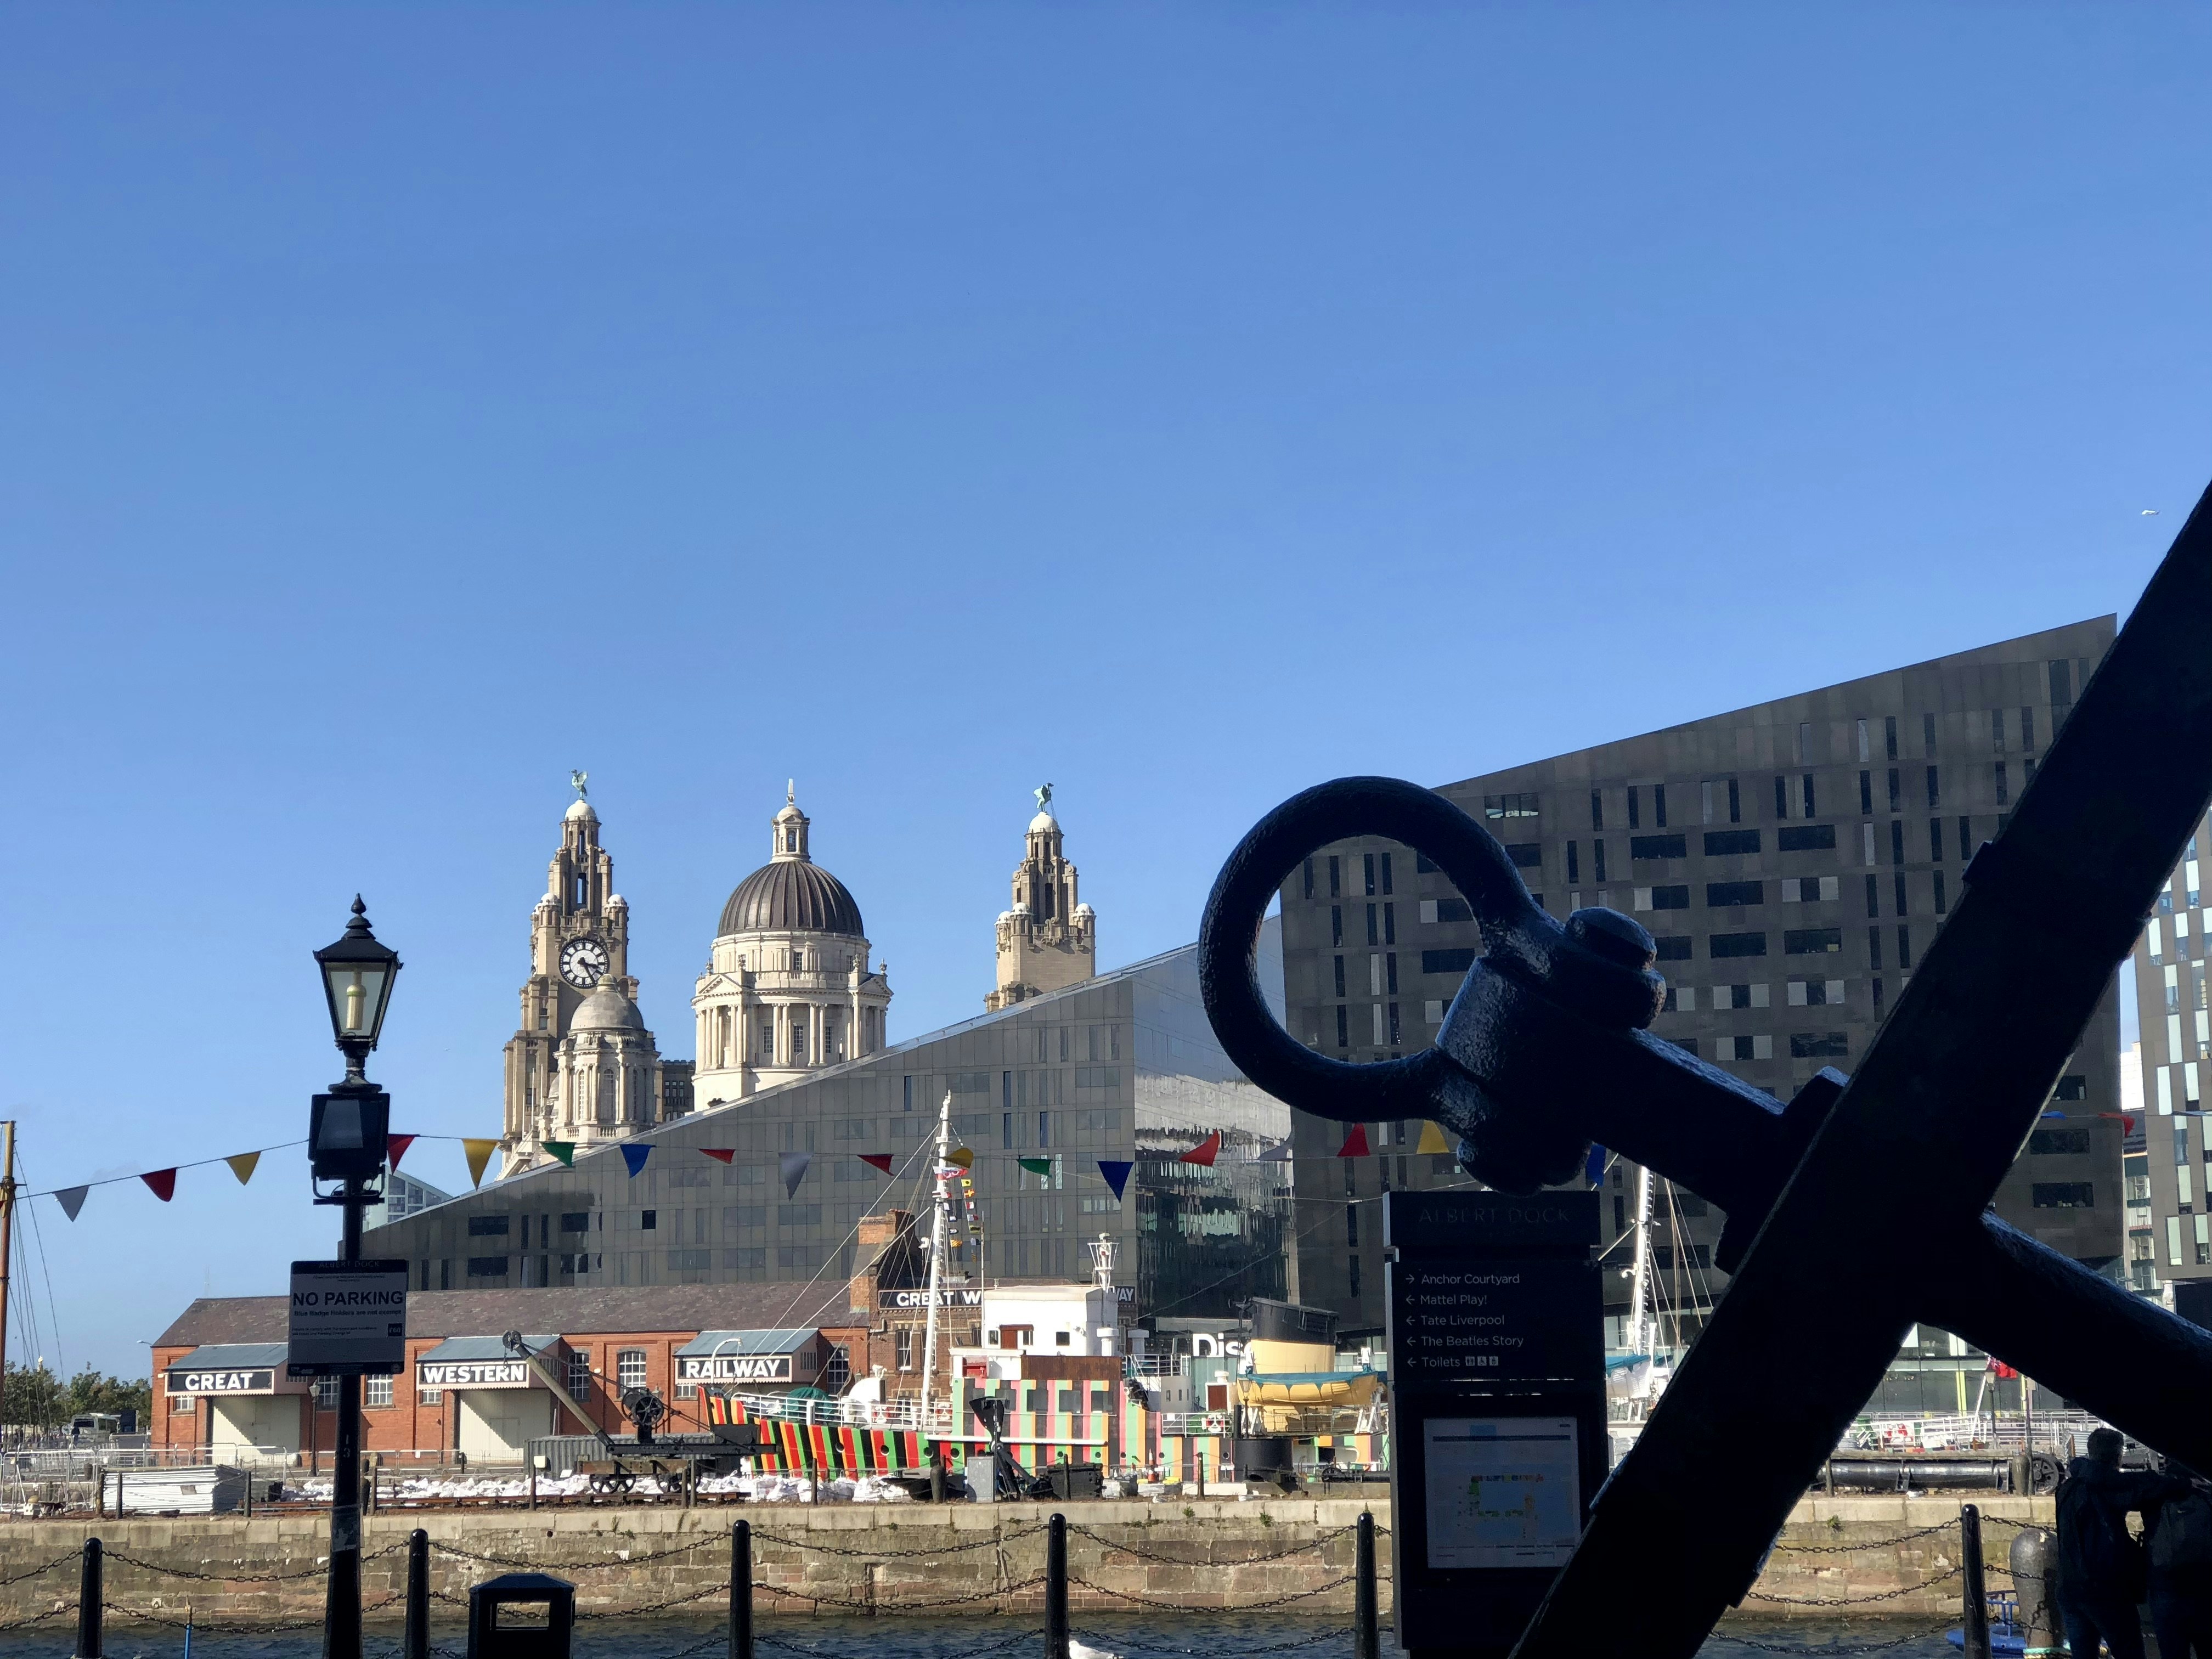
[578, 950]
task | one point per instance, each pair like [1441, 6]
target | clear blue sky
[403, 406]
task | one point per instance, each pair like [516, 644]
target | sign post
[1497, 1418]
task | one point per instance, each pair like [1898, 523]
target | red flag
[1204, 1152]
[395, 1148]
[163, 1182]
[1355, 1144]
[724, 1154]
[881, 1160]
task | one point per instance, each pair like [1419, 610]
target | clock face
[583, 963]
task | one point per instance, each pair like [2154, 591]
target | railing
[1158, 1364]
[902, 1412]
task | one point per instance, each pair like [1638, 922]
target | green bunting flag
[563, 1150]
[1038, 1166]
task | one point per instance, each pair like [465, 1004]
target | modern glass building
[2170, 1214]
[1793, 860]
[1122, 1070]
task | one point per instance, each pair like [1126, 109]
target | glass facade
[1121, 1069]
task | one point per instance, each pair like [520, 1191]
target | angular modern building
[1793, 860]
[2170, 1234]
[1053, 1096]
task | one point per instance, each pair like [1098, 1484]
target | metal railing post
[1055, 1588]
[1367, 1636]
[91, 1591]
[417, 1642]
[1975, 1633]
[741, 1590]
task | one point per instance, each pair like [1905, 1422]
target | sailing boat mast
[943, 1202]
[1640, 1322]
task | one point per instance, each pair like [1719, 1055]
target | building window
[1635, 817]
[902, 1344]
[1340, 976]
[1736, 945]
[1352, 1226]
[375, 1391]
[1574, 861]
[1597, 858]
[2063, 1194]
[488, 1226]
[1721, 895]
[2004, 787]
[579, 1374]
[326, 1394]
[1815, 1045]
[183, 1402]
[1367, 871]
[1866, 793]
[1353, 1262]
[1597, 810]
[1806, 838]
[1935, 795]
[1335, 929]
[629, 1368]
[838, 1373]
[487, 1266]
[1659, 804]
[1652, 847]
[1724, 843]
[1509, 806]
[2067, 1143]
[1335, 877]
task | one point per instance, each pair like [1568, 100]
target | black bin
[1071, 1480]
[521, 1615]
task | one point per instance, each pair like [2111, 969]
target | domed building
[1048, 940]
[788, 988]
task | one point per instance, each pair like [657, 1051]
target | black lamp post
[346, 1139]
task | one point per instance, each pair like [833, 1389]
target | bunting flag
[1355, 1144]
[633, 1155]
[162, 1182]
[794, 1172]
[1204, 1152]
[720, 1154]
[2127, 1122]
[1036, 1166]
[1433, 1138]
[71, 1199]
[1595, 1169]
[563, 1150]
[242, 1165]
[881, 1160]
[962, 1156]
[395, 1148]
[1280, 1153]
[1116, 1172]
[478, 1153]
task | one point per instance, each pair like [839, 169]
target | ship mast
[1640, 1322]
[943, 1202]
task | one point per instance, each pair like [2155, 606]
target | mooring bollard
[2034, 1570]
[741, 1590]
[1055, 1588]
[1975, 1633]
[417, 1644]
[937, 1471]
[90, 1591]
[1367, 1633]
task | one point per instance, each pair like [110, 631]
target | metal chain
[1319, 1542]
[35, 1572]
[272, 1627]
[1249, 1607]
[1242, 1652]
[459, 1553]
[322, 1572]
[1858, 1601]
[1879, 1544]
[39, 1618]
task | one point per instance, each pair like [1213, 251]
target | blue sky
[403, 406]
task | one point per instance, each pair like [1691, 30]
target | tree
[94, 1391]
[32, 1397]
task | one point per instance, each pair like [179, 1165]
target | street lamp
[347, 1130]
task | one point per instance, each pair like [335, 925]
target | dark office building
[1793, 859]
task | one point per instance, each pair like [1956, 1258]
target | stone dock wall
[1838, 1557]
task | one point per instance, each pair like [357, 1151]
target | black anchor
[1855, 1211]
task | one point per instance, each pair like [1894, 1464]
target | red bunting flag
[1205, 1151]
[881, 1160]
[395, 1148]
[162, 1182]
[720, 1154]
[1355, 1144]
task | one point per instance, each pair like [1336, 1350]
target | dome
[607, 1010]
[792, 896]
[580, 808]
[1043, 821]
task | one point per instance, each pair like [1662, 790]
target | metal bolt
[1610, 934]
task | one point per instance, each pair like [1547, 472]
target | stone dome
[607, 1010]
[580, 808]
[1043, 821]
[792, 896]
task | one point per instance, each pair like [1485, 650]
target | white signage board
[734, 1368]
[349, 1319]
[473, 1374]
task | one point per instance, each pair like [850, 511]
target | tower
[787, 988]
[579, 1008]
[1049, 940]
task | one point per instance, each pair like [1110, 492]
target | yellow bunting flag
[242, 1164]
[479, 1154]
[961, 1156]
[1433, 1138]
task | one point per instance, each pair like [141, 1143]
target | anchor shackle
[1544, 1048]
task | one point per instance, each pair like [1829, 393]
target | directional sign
[349, 1319]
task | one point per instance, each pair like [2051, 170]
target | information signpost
[1498, 1419]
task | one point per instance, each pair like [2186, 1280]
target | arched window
[791, 841]
[577, 901]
